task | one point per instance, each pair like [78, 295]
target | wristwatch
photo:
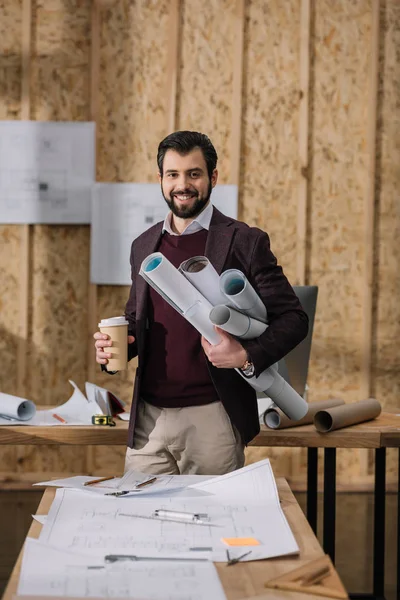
[248, 368]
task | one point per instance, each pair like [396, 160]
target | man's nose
[182, 183]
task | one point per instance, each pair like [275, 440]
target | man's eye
[195, 174]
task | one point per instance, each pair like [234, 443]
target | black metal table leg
[379, 523]
[312, 487]
[329, 502]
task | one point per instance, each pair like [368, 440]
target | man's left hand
[228, 354]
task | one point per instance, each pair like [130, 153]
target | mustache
[186, 192]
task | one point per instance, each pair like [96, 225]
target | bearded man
[192, 413]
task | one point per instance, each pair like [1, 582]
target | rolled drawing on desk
[274, 418]
[188, 293]
[349, 414]
[13, 407]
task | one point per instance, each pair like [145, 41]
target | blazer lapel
[219, 239]
[148, 246]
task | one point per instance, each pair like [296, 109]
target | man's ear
[214, 177]
[159, 177]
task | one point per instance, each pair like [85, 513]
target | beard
[188, 212]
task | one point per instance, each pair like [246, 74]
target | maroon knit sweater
[176, 372]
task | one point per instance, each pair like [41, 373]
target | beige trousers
[197, 440]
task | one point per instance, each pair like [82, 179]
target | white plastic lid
[113, 322]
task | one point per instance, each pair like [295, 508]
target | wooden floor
[353, 548]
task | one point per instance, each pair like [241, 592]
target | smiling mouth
[184, 197]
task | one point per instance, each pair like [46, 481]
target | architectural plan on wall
[47, 170]
[121, 212]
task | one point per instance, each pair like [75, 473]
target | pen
[93, 481]
[59, 418]
[112, 558]
[146, 482]
[184, 516]
[175, 519]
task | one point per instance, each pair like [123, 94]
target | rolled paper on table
[349, 414]
[274, 418]
[16, 408]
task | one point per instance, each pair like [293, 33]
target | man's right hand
[103, 341]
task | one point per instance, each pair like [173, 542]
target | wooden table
[242, 581]
[379, 434]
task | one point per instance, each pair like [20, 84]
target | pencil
[139, 485]
[98, 480]
[59, 418]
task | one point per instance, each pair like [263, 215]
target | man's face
[185, 184]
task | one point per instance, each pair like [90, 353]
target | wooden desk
[242, 581]
[379, 434]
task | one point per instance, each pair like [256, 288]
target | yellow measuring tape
[103, 420]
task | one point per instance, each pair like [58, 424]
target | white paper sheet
[243, 506]
[47, 571]
[121, 212]
[78, 410]
[77, 482]
[47, 171]
[40, 518]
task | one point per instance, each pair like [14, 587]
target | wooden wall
[301, 100]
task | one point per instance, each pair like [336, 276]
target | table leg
[329, 502]
[312, 487]
[379, 522]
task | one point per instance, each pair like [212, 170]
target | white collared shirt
[202, 221]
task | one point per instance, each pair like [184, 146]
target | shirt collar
[202, 221]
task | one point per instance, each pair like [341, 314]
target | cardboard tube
[349, 414]
[274, 418]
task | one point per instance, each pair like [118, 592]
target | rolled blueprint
[349, 414]
[200, 272]
[236, 287]
[16, 408]
[281, 393]
[192, 304]
[274, 418]
[161, 274]
[236, 323]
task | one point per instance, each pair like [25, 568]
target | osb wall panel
[132, 118]
[270, 122]
[132, 122]
[206, 74]
[386, 350]
[339, 175]
[10, 93]
[60, 254]
[269, 142]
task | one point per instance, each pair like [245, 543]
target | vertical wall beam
[24, 229]
[369, 219]
[369, 206]
[172, 63]
[92, 291]
[304, 77]
[94, 109]
[237, 92]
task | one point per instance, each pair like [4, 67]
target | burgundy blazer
[230, 245]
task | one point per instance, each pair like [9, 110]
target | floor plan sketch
[47, 170]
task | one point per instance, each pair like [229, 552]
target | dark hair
[184, 142]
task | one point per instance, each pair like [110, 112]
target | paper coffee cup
[117, 329]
